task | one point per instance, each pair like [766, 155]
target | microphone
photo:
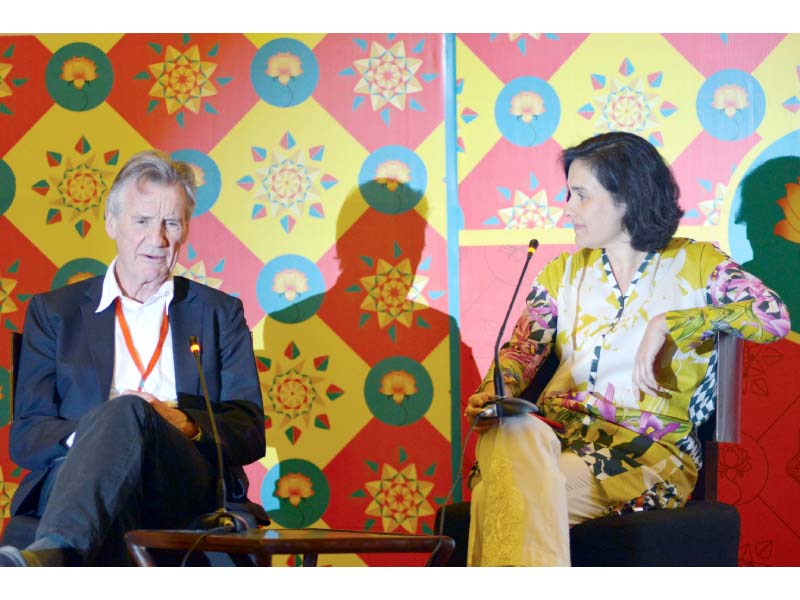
[220, 518]
[504, 406]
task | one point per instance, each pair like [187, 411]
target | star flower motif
[394, 293]
[388, 76]
[182, 79]
[82, 188]
[7, 490]
[197, 272]
[288, 184]
[293, 394]
[7, 305]
[711, 208]
[399, 498]
[627, 107]
[5, 89]
[530, 213]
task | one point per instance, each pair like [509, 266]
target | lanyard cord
[126, 333]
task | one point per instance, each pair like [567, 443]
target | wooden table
[264, 543]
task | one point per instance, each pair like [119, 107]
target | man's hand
[644, 375]
[173, 416]
[475, 405]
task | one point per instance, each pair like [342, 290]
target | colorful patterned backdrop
[370, 198]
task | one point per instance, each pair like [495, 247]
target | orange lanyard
[126, 333]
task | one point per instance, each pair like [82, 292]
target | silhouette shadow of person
[770, 210]
[387, 301]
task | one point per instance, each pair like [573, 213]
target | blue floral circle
[293, 307]
[307, 505]
[745, 111]
[8, 186]
[298, 87]
[540, 127]
[208, 190]
[85, 267]
[393, 196]
[391, 401]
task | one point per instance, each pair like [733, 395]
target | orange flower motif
[290, 283]
[730, 98]
[527, 106]
[294, 487]
[789, 228]
[284, 66]
[79, 71]
[392, 174]
[398, 385]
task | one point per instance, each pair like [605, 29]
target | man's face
[149, 232]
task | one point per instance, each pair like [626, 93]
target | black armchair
[703, 533]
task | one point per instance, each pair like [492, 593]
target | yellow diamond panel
[437, 364]
[480, 90]
[779, 75]
[289, 170]
[614, 79]
[55, 41]
[432, 154]
[297, 390]
[63, 177]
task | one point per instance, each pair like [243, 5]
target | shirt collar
[112, 291]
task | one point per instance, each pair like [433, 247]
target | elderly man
[110, 418]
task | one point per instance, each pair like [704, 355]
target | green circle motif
[301, 491]
[398, 391]
[77, 270]
[8, 186]
[79, 76]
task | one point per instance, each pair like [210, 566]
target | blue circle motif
[745, 110]
[83, 268]
[308, 505]
[297, 306]
[540, 127]
[393, 196]
[8, 186]
[284, 90]
[208, 190]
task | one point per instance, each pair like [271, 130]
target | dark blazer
[67, 363]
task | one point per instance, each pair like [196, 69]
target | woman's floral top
[642, 449]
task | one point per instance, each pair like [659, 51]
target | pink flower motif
[527, 106]
[730, 98]
[650, 426]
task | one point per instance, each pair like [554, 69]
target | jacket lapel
[99, 329]
[185, 320]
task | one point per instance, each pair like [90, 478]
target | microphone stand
[220, 518]
[504, 406]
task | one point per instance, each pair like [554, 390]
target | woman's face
[596, 218]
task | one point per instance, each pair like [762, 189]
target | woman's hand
[644, 375]
[475, 405]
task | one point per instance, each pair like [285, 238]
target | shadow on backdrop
[776, 260]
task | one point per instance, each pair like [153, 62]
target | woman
[631, 317]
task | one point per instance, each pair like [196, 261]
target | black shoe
[11, 557]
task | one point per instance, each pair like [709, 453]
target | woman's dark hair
[636, 176]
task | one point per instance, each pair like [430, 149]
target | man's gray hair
[153, 166]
